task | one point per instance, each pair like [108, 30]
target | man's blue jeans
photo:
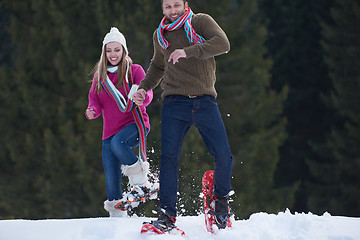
[178, 114]
[117, 150]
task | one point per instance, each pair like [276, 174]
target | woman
[125, 125]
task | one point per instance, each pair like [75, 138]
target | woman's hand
[139, 97]
[90, 113]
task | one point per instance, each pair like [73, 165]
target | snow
[260, 226]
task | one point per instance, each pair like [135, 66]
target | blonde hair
[100, 69]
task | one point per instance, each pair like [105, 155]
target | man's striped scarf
[184, 20]
[126, 104]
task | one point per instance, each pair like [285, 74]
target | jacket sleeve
[216, 40]
[155, 71]
[94, 101]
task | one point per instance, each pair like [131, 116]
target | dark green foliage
[6, 46]
[53, 173]
[338, 179]
[252, 113]
[294, 45]
[50, 162]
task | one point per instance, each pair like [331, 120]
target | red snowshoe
[212, 217]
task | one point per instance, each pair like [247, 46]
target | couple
[185, 45]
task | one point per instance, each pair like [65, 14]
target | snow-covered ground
[260, 226]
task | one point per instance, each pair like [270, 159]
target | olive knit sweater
[195, 74]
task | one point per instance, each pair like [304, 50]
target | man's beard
[168, 18]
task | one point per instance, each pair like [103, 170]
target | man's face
[173, 9]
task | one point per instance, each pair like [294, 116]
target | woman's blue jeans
[178, 115]
[117, 150]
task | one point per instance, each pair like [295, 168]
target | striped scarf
[184, 20]
[126, 104]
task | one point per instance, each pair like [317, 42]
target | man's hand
[176, 55]
[139, 97]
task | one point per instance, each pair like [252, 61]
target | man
[184, 48]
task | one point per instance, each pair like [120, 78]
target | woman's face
[114, 52]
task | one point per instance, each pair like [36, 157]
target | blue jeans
[178, 114]
[117, 150]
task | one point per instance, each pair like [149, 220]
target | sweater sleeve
[93, 97]
[138, 75]
[156, 69]
[216, 40]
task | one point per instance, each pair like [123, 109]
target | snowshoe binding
[164, 224]
[137, 195]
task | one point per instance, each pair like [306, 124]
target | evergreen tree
[50, 154]
[294, 46]
[252, 113]
[5, 60]
[337, 189]
[46, 91]
[5, 40]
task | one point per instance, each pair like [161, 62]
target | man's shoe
[222, 211]
[165, 221]
[164, 224]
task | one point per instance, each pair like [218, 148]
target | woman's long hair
[100, 70]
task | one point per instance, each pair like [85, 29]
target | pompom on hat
[115, 36]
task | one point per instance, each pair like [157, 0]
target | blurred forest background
[288, 91]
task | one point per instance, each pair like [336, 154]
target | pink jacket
[113, 119]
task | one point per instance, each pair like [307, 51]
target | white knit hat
[115, 36]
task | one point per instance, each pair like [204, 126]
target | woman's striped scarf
[126, 104]
[184, 20]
